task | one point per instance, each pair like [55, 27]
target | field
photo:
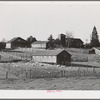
[17, 71]
[72, 83]
[48, 77]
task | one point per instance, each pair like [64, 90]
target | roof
[75, 39]
[62, 34]
[48, 52]
[40, 42]
[15, 39]
[96, 48]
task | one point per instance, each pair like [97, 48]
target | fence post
[62, 73]
[0, 57]
[31, 58]
[87, 69]
[26, 74]
[84, 72]
[78, 71]
[94, 72]
[51, 74]
[7, 75]
[21, 57]
[30, 73]
[7, 71]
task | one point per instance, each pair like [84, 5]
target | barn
[95, 50]
[17, 42]
[74, 42]
[52, 56]
[40, 45]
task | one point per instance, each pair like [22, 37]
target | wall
[63, 58]
[49, 59]
[8, 45]
[38, 46]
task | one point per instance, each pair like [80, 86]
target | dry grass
[75, 78]
[28, 75]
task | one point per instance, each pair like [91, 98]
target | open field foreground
[72, 83]
[19, 72]
[37, 76]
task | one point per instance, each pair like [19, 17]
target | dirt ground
[73, 83]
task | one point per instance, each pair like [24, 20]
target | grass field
[78, 55]
[82, 74]
[44, 81]
[72, 83]
[47, 77]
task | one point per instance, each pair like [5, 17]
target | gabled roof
[15, 39]
[75, 39]
[48, 52]
[96, 48]
[40, 42]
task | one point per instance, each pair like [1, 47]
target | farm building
[17, 42]
[95, 50]
[40, 45]
[74, 42]
[62, 38]
[52, 56]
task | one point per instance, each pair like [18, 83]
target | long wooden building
[52, 56]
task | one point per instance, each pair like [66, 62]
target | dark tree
[31, 39]
[94, 38]
[51, 42]
[57, 42]
[50, 38]
[2, 45]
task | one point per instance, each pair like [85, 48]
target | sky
[40, 19]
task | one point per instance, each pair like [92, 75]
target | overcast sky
[40, 19]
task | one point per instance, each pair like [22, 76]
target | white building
[40, 45]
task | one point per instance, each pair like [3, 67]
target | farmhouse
[40, 45]
[52, 56]
[17, 42]
[95, 50]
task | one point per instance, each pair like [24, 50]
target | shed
[95, 50]
[52, 56]
[17, 42]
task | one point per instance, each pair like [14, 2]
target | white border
[40, 94]
[43, 94]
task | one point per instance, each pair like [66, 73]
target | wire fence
[49, 72]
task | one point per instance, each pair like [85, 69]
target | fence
[36, 72]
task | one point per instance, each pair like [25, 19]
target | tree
[51, 42]
[3, 40]
[69, 39]
[31, 39]
[69, 34]
[94, 38]
[57, 42]
[3, 44]
[50, 38]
